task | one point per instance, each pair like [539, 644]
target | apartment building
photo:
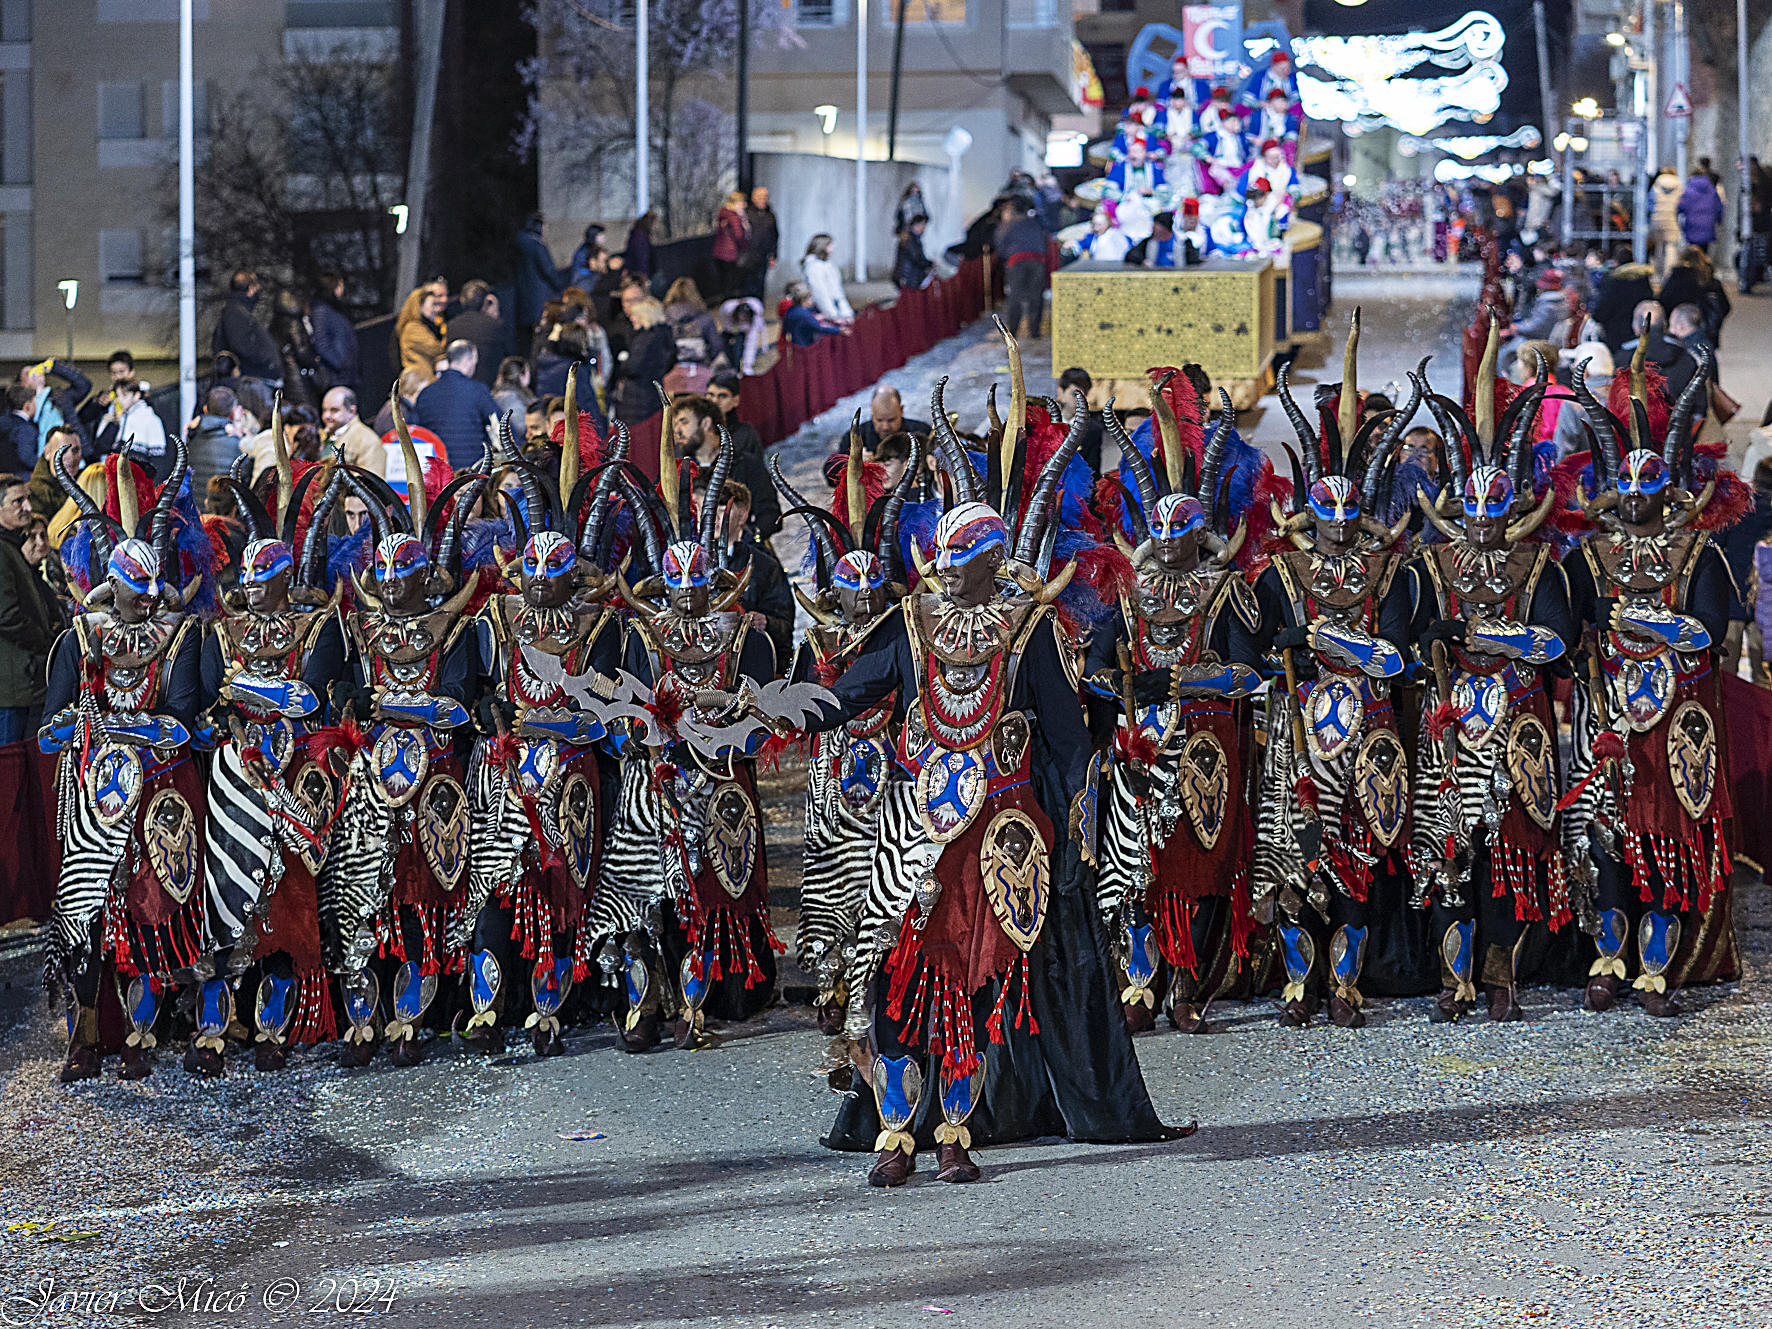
[88, 135]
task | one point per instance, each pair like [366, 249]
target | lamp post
[861, 139]
[187, 209]
[642, 136]
[827, 123]
[70, 290]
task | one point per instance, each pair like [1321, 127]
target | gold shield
[317, 793]
[113, 782]
[1692, 758]
[731, 838]
[950, 791]
[1381, 783]
[1531, 766]
[577, 816]
[401, 759]
[443, 829]
[1205, 786]
[1012, 860]
[169, 833]
[1333, 714]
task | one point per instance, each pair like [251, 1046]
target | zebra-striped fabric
[498, 830]
[635, 861]
[903, 854]
[91, 854]
[358, 875]
[1125, 855]
[238, 847]
[1277, 816]
[834, 878]
[1578, 818]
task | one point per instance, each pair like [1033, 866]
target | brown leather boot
[203, 1062]
[406, 1051]
[1503, 1005]
[269, 1056]
[1295, 1015]
[684, 1034]
[643, 1037]
[488, 1039]
[1139, 1018]
[82, 1063]
[1186, 1019]
[892, 1167]
[1602, 992]
[137, 1065]
[1662, 1005]
[547, 1043]
[953, 1163]
[1446, 1008]
[1346, 1015]
[356, 1055]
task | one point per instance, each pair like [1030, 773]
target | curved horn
[1028, 539]
[1639, 391]
[990, 410]
[310, 544]
[855, 501]
[1447, 415]
[668, 479]
[887, 546]
[465, 500]
[1018, 401]
[1213, 466]
[1608, 457]
[1171, 433]
[569, 452]
[953, 455]
[378, 515]
[1308, 442]
[1299, 483]
[645, 519]
[415, 471]
[1387, 444]
[1684, 415]
[1347, 406]
[1142, 474]
[102, 525]
[1483, 397]
[280, 455]
[710, 500]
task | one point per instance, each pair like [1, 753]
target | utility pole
[1682, 77]
[187, 219]
[1744, 188]
[1545, 97]
[428, 32]
[742, 104]
[643, 120]
[897, 72]
[861, 140]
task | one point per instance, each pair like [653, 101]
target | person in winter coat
[537, 279]
[55, 407]
[334, 335]
[911, 207]
[19, 443]
[1693, 281]
[422, 341]
[583, 269]
[304, 376]
[1700, 209]
[637, 256]
[652, 350]
[825, 281]
[1021, 249]
[698, 335]
[765, 243]
[732, 241]
[239, 332]
[801, 324]
[1620, 292]
[455, 406]
[911, 267]
[1664, 221]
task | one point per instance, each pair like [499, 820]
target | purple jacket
[1700, 209]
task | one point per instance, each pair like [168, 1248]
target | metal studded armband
[1216, 680]
[1515, 641]
[1658, 624]
[421, 707]
[1354, 649]
[58, 731]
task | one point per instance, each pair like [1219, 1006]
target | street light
[827, 121]
[70, 290]
[1615, 39]
[1587, 108]
[400, 211]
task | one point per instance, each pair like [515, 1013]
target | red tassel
[1242, 917]
[1131, 743]
[1305, 790]
[344, 736]
[1440, 719]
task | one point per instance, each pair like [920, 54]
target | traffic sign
[1679, 103]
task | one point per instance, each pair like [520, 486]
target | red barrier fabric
[1747, 718]
[809, 379]
[30, 857]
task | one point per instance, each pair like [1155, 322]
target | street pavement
[1573, 1170]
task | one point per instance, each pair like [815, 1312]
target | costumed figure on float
[398, 864]
[1649, 793]
[537, 785]
[269, 662]
[1492, 626]
[1332, 826]
[121, 711]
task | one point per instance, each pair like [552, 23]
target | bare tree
[295, 175]
[583, 104]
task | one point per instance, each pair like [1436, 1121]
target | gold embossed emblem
[731, 838]
[169, 833]
[1205, 786]
[443, 829]
[1012, 860]
[1381, 783]
[1531, 766]
[1692, 758]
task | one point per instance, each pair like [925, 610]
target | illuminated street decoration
[1359, 80]
[1469, 147]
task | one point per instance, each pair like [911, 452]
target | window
[1031, 13]
[925, 11]
[120, 110]
[169, 108]
[120, 256]
[819, 14]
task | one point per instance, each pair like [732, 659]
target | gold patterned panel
[1116, 322]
